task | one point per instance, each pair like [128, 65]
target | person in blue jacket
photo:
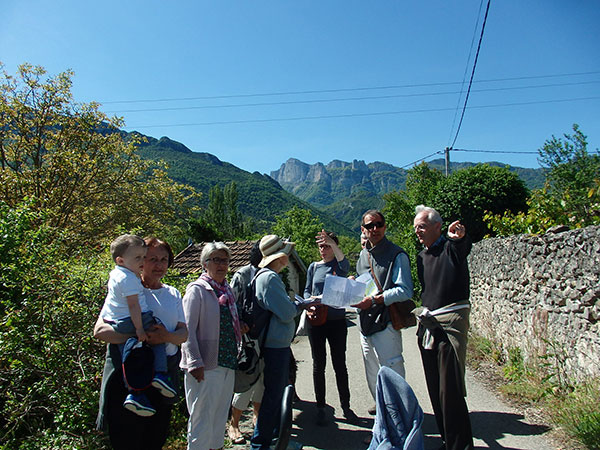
[272, 296]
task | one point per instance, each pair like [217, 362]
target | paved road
[495, 425]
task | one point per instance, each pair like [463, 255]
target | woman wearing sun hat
[272, 295]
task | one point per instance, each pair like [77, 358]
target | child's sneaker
[139, 404]
[161, 382]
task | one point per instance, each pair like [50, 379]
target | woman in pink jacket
[209, 356]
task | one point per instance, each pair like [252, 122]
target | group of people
[202, 332]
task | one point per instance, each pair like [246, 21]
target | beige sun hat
[273, 247]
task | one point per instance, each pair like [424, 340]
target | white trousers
[208, 404]
[383, 348]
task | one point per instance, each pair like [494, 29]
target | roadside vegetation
[569, 407]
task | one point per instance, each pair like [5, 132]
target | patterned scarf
[226, 297]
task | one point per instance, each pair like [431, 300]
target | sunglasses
[370, 226]
[219, 261]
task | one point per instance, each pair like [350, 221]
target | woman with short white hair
[209, 356]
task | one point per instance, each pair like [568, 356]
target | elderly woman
[333, 329]
[272, 295]
[210, 352]
[127, 430]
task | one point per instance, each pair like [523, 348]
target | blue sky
[319, 61]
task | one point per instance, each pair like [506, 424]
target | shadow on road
[489, 427]
[492, 426]
[336, 435]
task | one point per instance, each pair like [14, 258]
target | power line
[471, 151]
[332, 100]
[495, 151]
[422, 159]
[364, 88]
[340, 116]
[466, 70]
[472, 74]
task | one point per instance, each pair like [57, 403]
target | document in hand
[367, 279]
[303, 300]
[342, 292]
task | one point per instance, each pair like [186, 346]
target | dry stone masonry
[541, 294]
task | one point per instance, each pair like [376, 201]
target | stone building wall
[542, 295]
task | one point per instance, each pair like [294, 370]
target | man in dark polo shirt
[444, 323]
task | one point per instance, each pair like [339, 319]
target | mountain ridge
[337, 192]
[346, 189]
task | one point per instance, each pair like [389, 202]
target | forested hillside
[260, 197]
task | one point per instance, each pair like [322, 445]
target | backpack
[250, 360]
[252, 313]
[250, 365]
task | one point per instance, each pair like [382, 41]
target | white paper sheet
[342, 292]
[367, 279]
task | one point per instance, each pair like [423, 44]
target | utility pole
[447, 158]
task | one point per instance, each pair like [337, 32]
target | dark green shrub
[49, 361]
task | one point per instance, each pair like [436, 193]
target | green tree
[215, 211]
[233, 216]
[468, 193]
[222, 218]
[74, 161]
[351, 248]
[301, 227]
[570, 195]
[572, 173]
[422, 184]
[202, 231]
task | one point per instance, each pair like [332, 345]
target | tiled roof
[188, 261]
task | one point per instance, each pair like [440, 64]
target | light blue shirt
[402, 279]
[271, 295]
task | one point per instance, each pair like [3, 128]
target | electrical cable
[422, 159]
[341, 116]
[332, 100]
[495, 151]
[472, 74]
[466, 71]
[367, 88]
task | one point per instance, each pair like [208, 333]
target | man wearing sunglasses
[390, 268]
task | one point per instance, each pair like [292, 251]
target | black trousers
[335, 332]
[444, 383]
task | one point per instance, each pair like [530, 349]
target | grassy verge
[571, 407]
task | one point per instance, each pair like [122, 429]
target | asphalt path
[495, 424]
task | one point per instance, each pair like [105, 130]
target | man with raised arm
[443, 325]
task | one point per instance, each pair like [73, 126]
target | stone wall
[542, 295]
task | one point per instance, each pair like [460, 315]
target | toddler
[126, 311]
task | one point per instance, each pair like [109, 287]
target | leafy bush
[86, 177]
[570, 196]
[567, 404]
[49, 362]
[467, 194]
[301, 227]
